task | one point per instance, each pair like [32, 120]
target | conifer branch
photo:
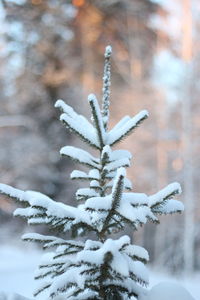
[80, 156]
[97, 118]
[116, 197]
[78, 124]
[163, 202]
[106, 86]
[117, 135]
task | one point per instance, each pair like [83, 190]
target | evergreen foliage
[105, 268]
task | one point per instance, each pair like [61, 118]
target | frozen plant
[104, 268]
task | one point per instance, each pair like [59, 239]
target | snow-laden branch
[125, 128]
[40, 209]
[118, 260]
[131, 208]
[106, 86]
[162, 202]
[97, 119]
[80, 156]
[78, 124]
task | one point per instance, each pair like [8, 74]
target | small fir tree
[103, 268]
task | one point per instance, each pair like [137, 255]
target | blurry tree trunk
[162, 165]
[187, 139]
[89, 18]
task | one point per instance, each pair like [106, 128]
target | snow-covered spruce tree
[103, 268]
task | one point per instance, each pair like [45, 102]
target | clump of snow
[79, 155]
[114, 165]
[106, 150]
[108, 51]
[92, 175]
[86, 193]
[118, 154]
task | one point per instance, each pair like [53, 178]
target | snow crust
[167, 291]
[12, 296]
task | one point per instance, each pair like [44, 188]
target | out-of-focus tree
[57, 47]
[53, 50]
[180, 57]
[35, 72]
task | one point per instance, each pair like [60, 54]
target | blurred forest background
[51, 49]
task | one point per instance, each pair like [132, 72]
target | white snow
[94, 184]
[94, 103]
[121, 173]
[92, 175]
[78, 122]
[171, 206]
[11, 296]
[65, 108]
[132, 206]
[140, 270]
[120, 123]
[123, 162]
[86, 192]
[127, 184]
[108, 51]
[106, 150]
[167, 291]
[140, 252]
[40, 203]
[120, 261]
[12, 192]
[98, 203]
[119, 154]
[137, 215]
[159, 197]
[80, 156]
[116, 134]
[76, 174]
[17, 267]
[135, 199]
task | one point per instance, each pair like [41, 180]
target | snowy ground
[17, 267]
